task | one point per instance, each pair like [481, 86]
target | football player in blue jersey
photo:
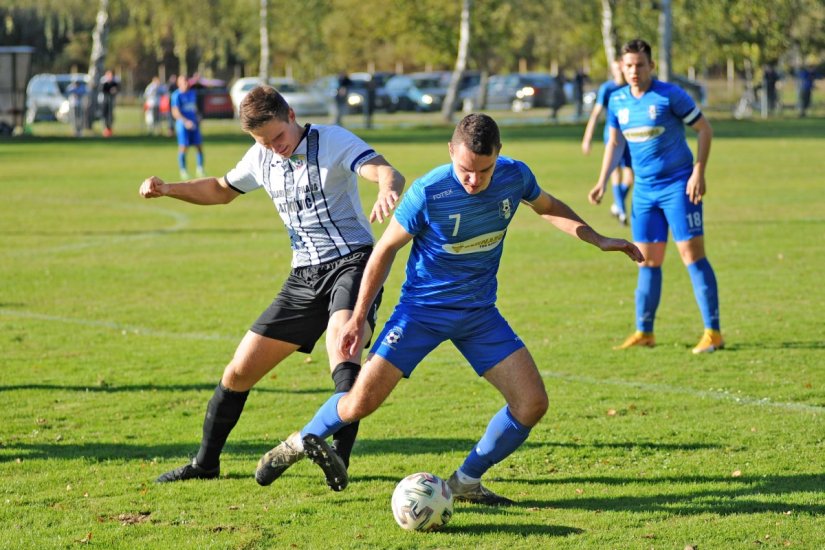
[649, 117]
[184, 107]
[456, 217]
[622, 176]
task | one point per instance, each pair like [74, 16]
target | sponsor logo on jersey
[624, 116]
[651, 112]
[298, 161]
[505, 210]
[443, 194]
[643, 133]
[481, 243]
[393, 336]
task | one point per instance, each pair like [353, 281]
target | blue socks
[326, 421]
[200, 160]
[182, 160]
[648, 293]
[503, 436]
[705, 289]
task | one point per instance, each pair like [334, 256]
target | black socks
[222, 413]
[344, 376]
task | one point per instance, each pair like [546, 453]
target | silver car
[46, 94]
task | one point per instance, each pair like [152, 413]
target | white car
[303, 100]
[46, 94]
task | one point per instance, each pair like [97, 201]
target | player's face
[473, 171]
[279, 136]
[637, 69]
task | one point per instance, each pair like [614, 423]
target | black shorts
[300, 312]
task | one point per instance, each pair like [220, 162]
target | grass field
[118, 315]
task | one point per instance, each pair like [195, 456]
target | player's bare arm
[390, 186]
[375, 273]
[591, 126]
[565, 219]
[204, 191]
[613, 151]
[696, 186]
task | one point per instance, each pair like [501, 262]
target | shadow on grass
[520, 530]
[741, 495]
[102, 451]
[152, 387]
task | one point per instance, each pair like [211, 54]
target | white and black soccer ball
[422, 502]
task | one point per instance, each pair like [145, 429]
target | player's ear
[450, 148]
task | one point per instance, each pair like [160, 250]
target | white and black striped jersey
[315, 191]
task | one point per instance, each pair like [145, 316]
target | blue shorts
[482, 336]
[657, 207]
[624, 162]
[187, 138]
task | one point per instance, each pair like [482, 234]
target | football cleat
[710, 342]
[476, 493]
[189, 471]
[322, 454]
[638, 339]
[618, 214]
[277, 460]
[199, 172]
[184, 175]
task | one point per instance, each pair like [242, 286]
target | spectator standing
[806, 77]
[110, 86]
[557, 98]
[369, 101]
[152, 95]
[77, 91]
[769, 79]
[341, 93]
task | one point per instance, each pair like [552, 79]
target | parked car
[327, 86]
[695, 89]
[303, 100]
[517, 92]
[213, 98]
[424, 91]
[46, 94]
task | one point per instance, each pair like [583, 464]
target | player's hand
[620, 245]
[696, 188]
[350, 338]
[586, 147]
[384, 205]
[153, 187]
[596, 194]
[188, 124]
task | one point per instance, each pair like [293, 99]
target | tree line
[222, 38]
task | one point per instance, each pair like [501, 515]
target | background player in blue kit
[622, 176]
[184, 106]
[648, 116]
[456, 217]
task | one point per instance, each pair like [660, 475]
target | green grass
[117, 316]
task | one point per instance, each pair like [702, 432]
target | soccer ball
[422, 502]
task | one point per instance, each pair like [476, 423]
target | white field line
[126, 330]
[180, 222]
[721, 395]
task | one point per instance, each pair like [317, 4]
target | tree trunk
[665, 40]
[608, 33]
[263, 71]
[448, 107]
[100, 38]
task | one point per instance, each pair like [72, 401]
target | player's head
[183, 83]
[474, 148]
[267, 117]
[637, 63]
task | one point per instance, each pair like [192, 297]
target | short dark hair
[260, 105]
[637, 45]
[479, 133]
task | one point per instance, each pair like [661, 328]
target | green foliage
[118, 314]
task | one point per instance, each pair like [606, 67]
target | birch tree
[448, 107]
